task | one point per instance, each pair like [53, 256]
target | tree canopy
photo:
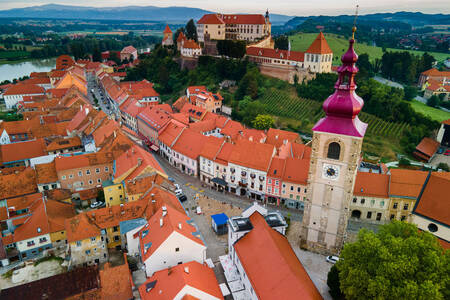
[263, 122]
[282, 42]
[398, 262]
[191, 30]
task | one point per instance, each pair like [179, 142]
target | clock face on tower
[330, 171]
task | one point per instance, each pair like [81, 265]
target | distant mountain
[171, 14]
[141, 13]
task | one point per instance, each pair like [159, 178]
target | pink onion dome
[343, 106]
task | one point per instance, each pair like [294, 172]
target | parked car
[177, 186]
[332, 259]
[97, 204]
[178, 192]
[440, 150]
[182, 198]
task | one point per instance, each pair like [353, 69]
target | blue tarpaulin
[220, 219]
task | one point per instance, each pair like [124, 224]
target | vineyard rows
[282, 104]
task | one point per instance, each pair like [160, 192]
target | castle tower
[319, 56]
[336, 149]
[167, 36]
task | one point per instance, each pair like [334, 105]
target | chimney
[179, 226]
[161, 222]
[186, 269]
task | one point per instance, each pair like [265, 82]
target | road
[192, 186]
[92, 85]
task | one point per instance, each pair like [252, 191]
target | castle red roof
[319, 46]
[167, 29]
[276, 53]
[210, 19]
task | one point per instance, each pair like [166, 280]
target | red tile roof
[407, 183]
[371, 185]
[155, 117]
[190, 143]
[170, 133]
[277, 137]
[436, 72]
[137, 160]
[24, 89]
[190, 44]
[116, 282]
[22, 183]
[244, 19]
[46, 173]
[282, 275]
[210, 19]
[232, 128]
[211, 148]
[195, 89]
[22, 150]
[224, 155]
[83, 160]
[81, 227]
[319, 46]
[253, 155]
[276, 169]
[169, 284]
[434, 202]
[276, 53]
[157, 234]
[23, 202]
[296, 170]
[428, 146]
[128, 49]
[64, 143]
[167, 29]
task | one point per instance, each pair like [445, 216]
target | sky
[287, 7]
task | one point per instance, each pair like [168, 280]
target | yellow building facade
[400, 208]
[114, 193]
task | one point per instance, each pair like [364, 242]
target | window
[297, 197]
[269, 181]
[88, 252]
[91, 182]
[70, 175]
[99, 180]
[382, 203]
[395, 205]
[116, 238]
[63, 177]
[276, 182]
[392, 217]
[432, 227]
[93, 239]
[291, 196]
[379, 216]
[363, 201]
[354, 200]
[177, 249]
[80, 173]
[372, 202]
[97, 170]
[292, 187]
[78, 243]
[88, 172]
[298, 190]
[334, 150]
[405, 207]
[42, 240]
[403, 218]
[106, 169]
[115, 228]
[369, 215]
[30, 243]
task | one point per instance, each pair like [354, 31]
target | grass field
[301, 42]
[433, 113]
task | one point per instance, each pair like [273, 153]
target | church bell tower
[336, 149]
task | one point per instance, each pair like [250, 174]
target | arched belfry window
[334, 150]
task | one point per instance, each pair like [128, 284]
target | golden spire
[354, 23]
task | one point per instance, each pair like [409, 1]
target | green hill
[301, 42]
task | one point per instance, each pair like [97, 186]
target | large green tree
[398, 262]
[191, 30]
[282, 42]
[263, 122]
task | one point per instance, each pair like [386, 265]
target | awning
[224, 289]
[154, 148]
[219, 181]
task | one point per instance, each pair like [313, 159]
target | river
[14, 70]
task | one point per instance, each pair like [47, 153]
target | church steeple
[343, 106]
